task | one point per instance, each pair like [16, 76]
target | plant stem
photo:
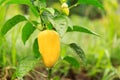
[13, 48]
[39, 11]
[49, 73]
[74, 5]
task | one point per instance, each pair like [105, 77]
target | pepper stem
[49, 73]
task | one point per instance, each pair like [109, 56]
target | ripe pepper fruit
[49, 47]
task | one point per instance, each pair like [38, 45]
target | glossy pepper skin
[49, 47]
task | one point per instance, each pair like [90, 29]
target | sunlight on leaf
[24, 66]
[36, 49]
[81, 29]
[11, 23]
[78, 50]
[27, 30]
[72, 61]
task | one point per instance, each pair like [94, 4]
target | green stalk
[4, 58]
[74, 5]
[49, 73]
[40, 16]
[13, 49]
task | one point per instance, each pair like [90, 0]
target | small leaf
[43, 3]
[40, 4]
[51, 10]
[35, 23]
[92, 2]
[50, 26]
[11, 23]
[72, 61]
[60, 24]
[34, 10]
[78, 50]
[27, 30]
[45, 17]
[24, 67]
[81, 29]
[69, 22]
[36, 49]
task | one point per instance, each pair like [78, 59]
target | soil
[6, 75]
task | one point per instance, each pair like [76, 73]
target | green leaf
[24, 66]
[81, 29]
[50, 26]
[92, 2]
[63, 50]
[36, 49]
[11, 23]
[27, 30]
[34, 10]
[60, 24]
[35, 23]
[72, 61]
[45, 17]
[51, 10]
[78, 50]
[40, 4]
[26, 2]
[43, 3]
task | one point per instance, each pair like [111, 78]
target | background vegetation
[102, 53]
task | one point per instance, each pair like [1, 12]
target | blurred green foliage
[102, 53]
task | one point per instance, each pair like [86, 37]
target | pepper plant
[47, 18]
